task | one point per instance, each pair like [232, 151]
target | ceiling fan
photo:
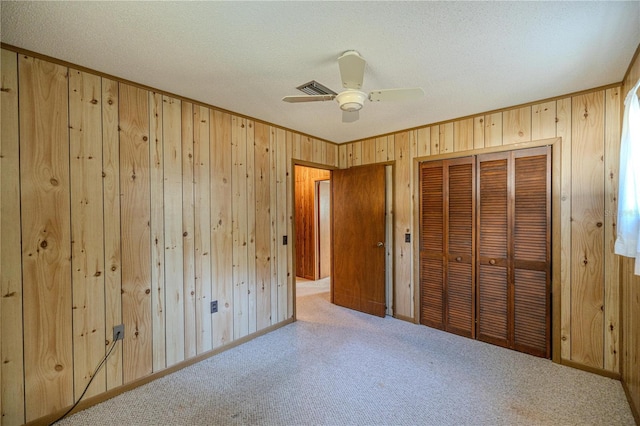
[352, 99]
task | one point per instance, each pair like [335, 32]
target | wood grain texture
[306, 148]
[611, 261]
[188, 232]
[111, 220]
[356, 154]
[381, 149]
[543, 120]
[251, 228]
[136, 244]
[423, 135]
[173, 233]
[202, 228]
[281, 222]
[289, 215]
[493, 129]
[240, 227]
[463, 139]
[587, 232]
[563, 129]
[369, 151]
[273, 217]
[446, 138]
[11, 292]
[221, 228]
[342, 156]
[46, 236]
[87, 247]
[319, 152]
[435, 139]
[156, 178]
[262, 176]
[478, 132]
[516, 125]
[403, 259]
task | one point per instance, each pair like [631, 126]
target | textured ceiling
[469, 57]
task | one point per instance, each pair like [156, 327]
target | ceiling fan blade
[396, 94]
[308, 98]
[351, 69]
[350, 116]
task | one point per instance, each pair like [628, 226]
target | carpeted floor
[335, 366]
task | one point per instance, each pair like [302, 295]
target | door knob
[380, 244]
[492, 261]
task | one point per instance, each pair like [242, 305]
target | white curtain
[628, 239]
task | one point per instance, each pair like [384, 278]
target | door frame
[556, 215]
[389, 231]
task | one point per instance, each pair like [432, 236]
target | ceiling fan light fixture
[351, 100]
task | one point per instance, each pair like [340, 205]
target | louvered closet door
[432, 244]
[513, 283]
[446, 245]
[531, 251]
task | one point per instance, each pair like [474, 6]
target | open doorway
[313, 230]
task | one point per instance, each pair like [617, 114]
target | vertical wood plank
[349, 154]
[173, 248]
[136, 245]
[273, 217]
[87, 246]
[516, 125]
[563, 129]
[251, 228]
[262, 177]
[240, 233]
[221, 228]
[356, 154]
[611, 261]
[156, 172]
[435, 139]
[368, 151]
[402, 216]
[11, 294]
[188, 232]
[463, 135]
[342, 156]
[111, 205]
[297, 146]
[478, 132]
[202, 233]
[446, 138]
[543, 120]
[289, 214]
[587, 233]
[424, 142]
[319, 152]
[381, 149]
[281, 222]
[391, 148]
[306, 148]
[493, 129]
[46, 236]
[332, 154]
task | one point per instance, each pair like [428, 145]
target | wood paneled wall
[630, 296]
[589, 125]
[121, 205]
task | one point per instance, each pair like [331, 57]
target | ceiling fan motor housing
[351, 100]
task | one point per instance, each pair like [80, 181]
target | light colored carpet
[335, 366]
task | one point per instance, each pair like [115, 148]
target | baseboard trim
[634, 410]
[46, 420]
[598, 371]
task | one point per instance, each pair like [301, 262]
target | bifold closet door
[447, 245]
[513, 256]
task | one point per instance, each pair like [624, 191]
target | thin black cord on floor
[113, 345]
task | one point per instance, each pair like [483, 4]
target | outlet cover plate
[118, 329]
[214, 306]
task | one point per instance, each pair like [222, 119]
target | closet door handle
[458, 259]
[492, 261]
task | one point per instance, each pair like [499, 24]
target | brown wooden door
[358, 236]
[513, 283]
[446, 245]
